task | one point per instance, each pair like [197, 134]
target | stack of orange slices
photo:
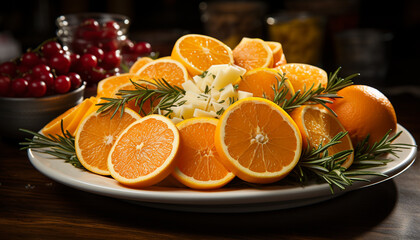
[252, 139]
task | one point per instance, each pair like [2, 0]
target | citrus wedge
[107, 86]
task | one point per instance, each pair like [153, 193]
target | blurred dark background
[378, 37]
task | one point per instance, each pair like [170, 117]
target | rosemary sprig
[317, 164]
[61, 147]
[160, 93]
[366, 156]
[319, 95]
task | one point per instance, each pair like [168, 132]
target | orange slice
[277, 50]
[81, 112]
[318, 126]
[253, 53]
[303, 76]
[96, 135]
[171, 70]
[139, 64]
[198, 52]
[144, 153]
[198, 164]
[54, 127]
[107, 86]
[257, 140]
[260, 82]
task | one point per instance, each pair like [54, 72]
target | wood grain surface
[33, 206]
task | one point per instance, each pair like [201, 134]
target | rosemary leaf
[61, 147]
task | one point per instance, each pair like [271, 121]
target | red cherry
[28, 77]
[40, 69]
[110, 45]
[19, 86]
[127, 46]
[112, 25]
[112, 59]
[75, 79]
[22, 69]
[4, 85]
[47, 78]
[142, 48]
[8, 68]
[60, 62]
[62, 84]
[37, 88]
[97, 52]
[30, 59]
[51, 48]
[88, 61]
[97, 74]
[90, 24]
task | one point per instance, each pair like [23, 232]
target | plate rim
[223, 196]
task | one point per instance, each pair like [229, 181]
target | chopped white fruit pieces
[209, 94]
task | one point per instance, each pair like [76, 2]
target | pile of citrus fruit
[227, 125]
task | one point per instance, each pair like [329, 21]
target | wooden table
[33, 206]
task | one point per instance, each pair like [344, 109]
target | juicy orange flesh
[302, 76]
[142, 149]
[169, 71]
[261, 83]
[321, 127]
[250, 55]
[98, 135]
[198, 157]
[260, 144]
[203, 52]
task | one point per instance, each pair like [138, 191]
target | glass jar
[77, 32]
[300, 33]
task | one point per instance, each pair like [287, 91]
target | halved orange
[258, 141]
[144, 153]
[277, 50]
[318, 126]
[303, 76]
[96, 135]
[260, 82]
[198, 52]
[139, 64]
[253, 53]
[107, 86]
[171, 70]
[198, 164]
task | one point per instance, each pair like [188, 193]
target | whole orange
[363, 111]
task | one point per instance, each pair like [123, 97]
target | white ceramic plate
[233, 198]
